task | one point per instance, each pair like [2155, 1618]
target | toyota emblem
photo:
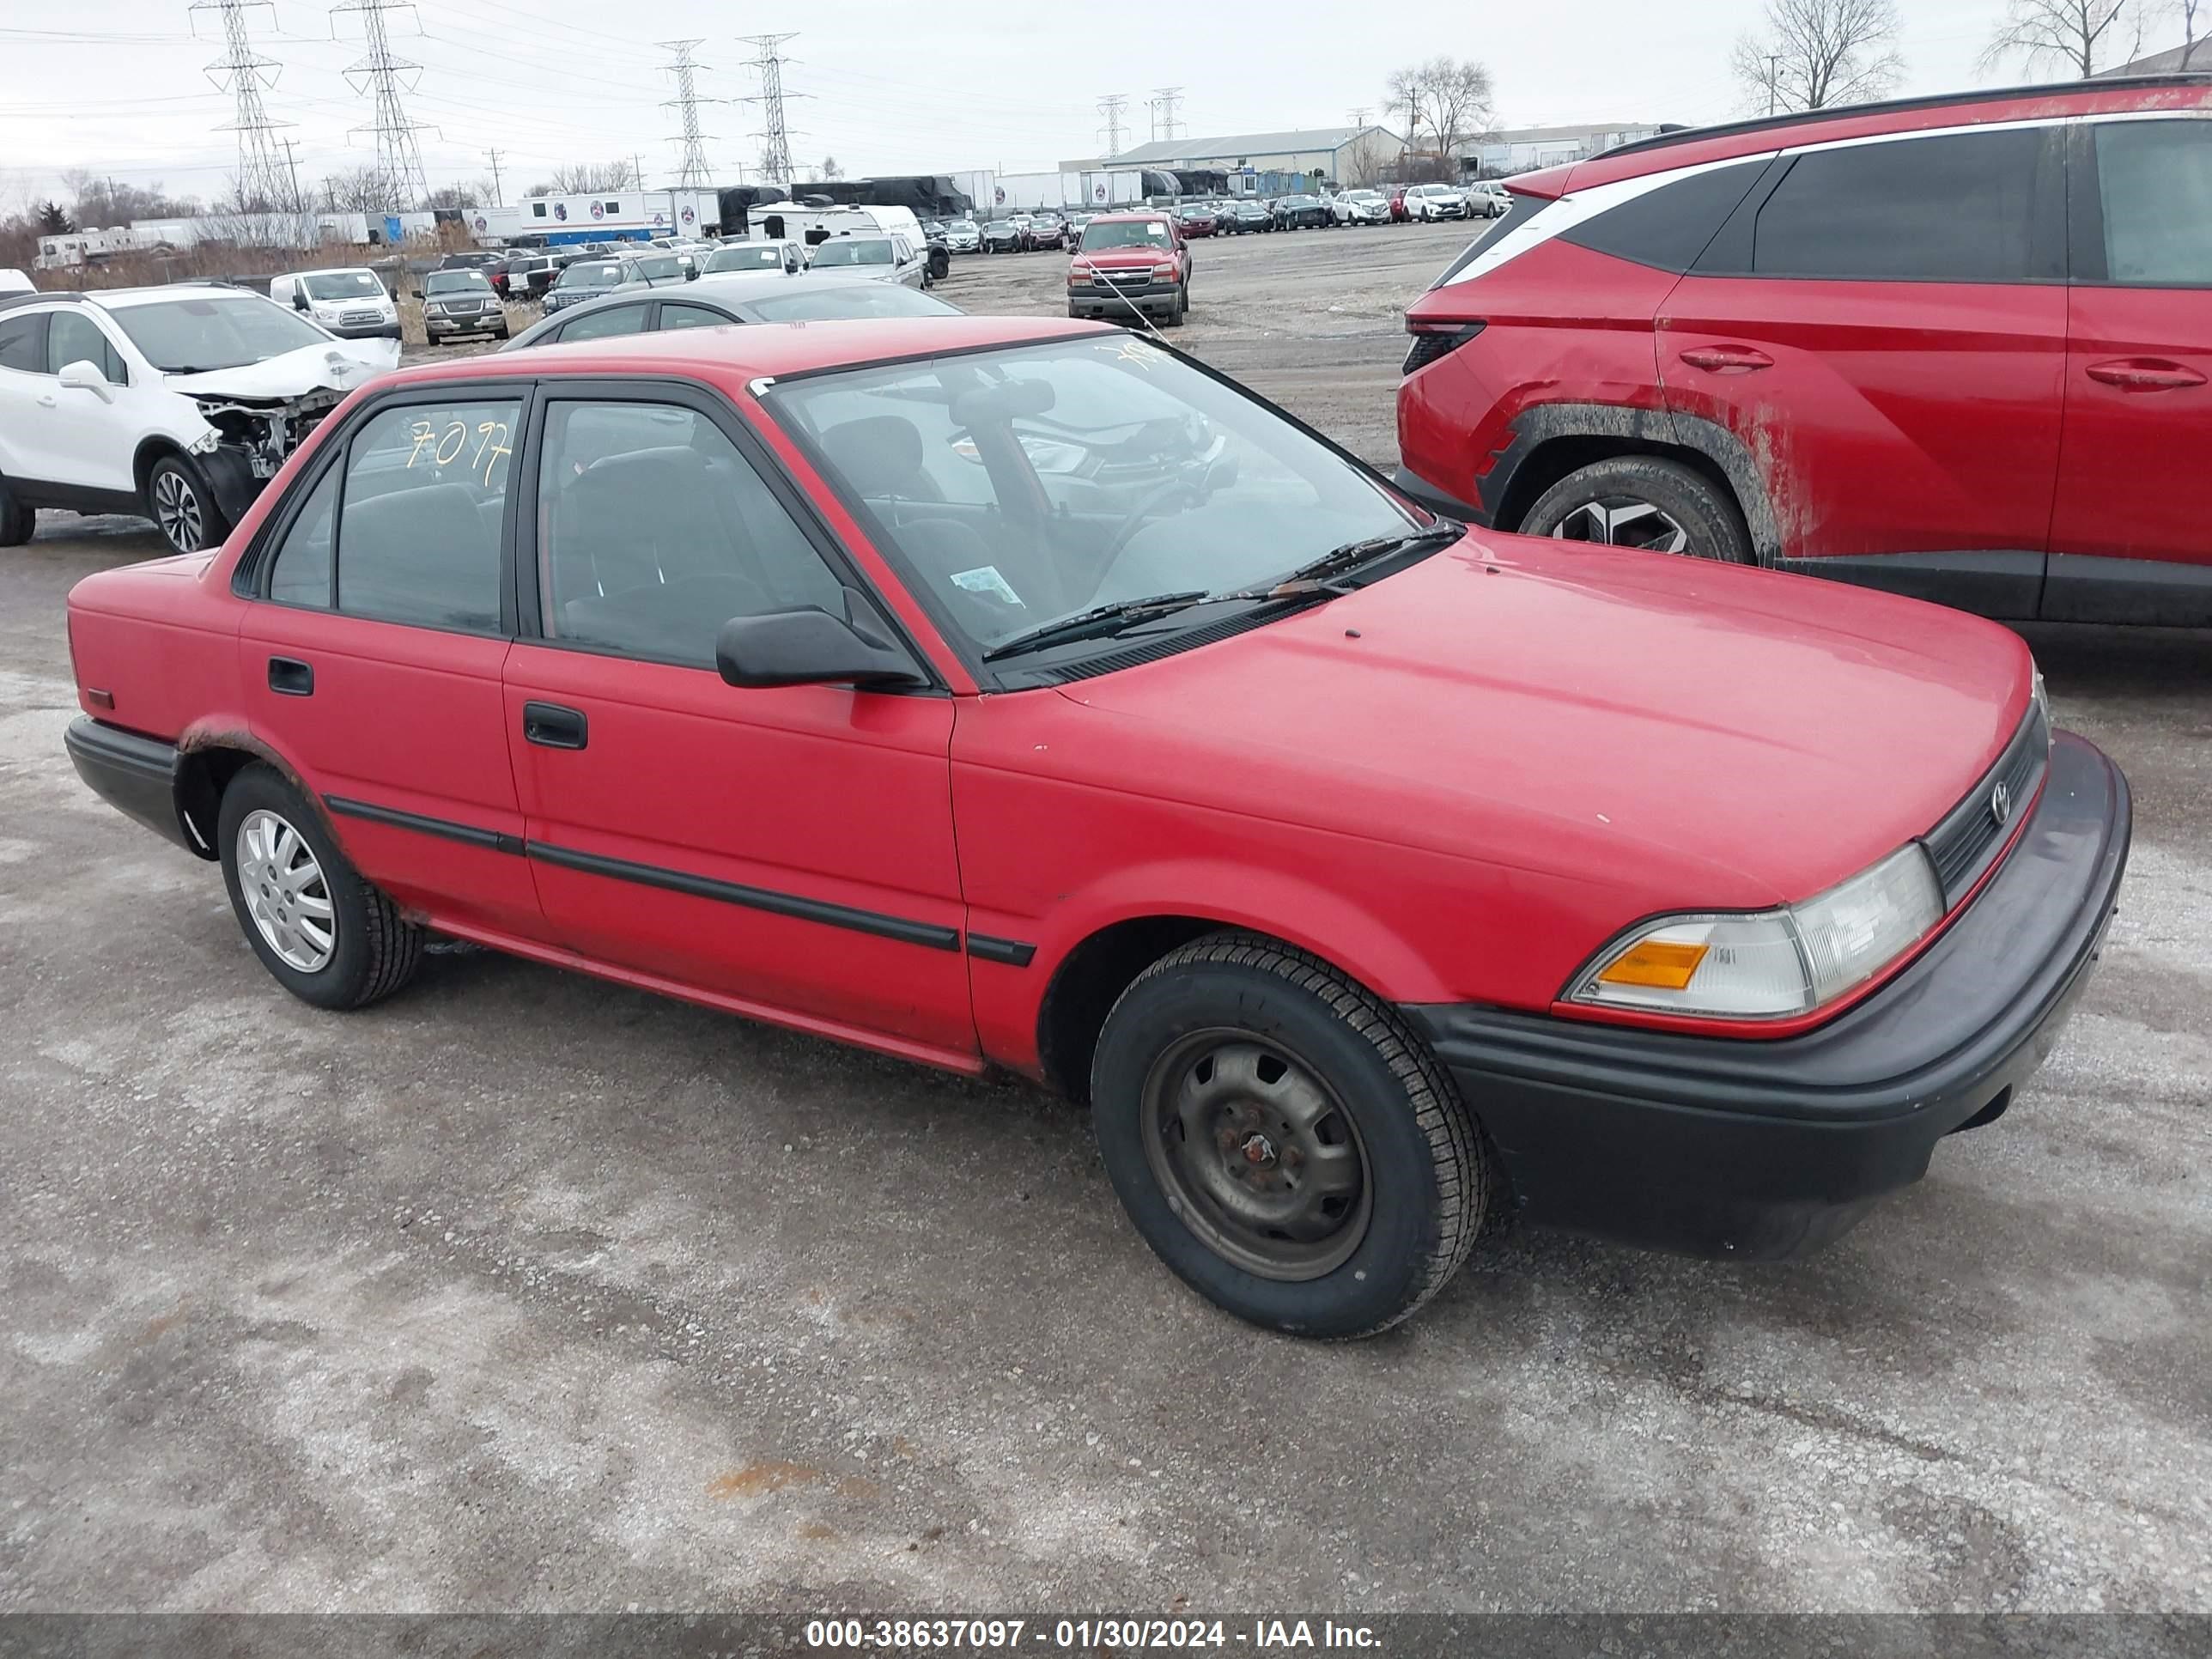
[2001, 804]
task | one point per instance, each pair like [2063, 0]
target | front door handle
[2144, 374]
[290, 677]
[47, 400]
[1727, 359]
[550, 725]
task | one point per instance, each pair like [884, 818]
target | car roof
[2051, 101]
[760, 350]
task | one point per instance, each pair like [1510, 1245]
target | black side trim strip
[907, 932]
[444, 829]
[1012, 952]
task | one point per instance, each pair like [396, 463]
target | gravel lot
[522, 1289]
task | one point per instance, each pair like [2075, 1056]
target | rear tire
[323, 932]
[1283, 1142]
[1643, 502]
[17, 521]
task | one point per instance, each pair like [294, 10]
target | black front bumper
[1761, 1150]
[136, 776]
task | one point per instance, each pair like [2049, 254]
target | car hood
[1737, 738]
[340, 365]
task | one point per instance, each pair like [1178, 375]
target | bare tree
[1814, 54]
[831, 169]
[2079, 34]
[583, 178]
[356, 189]
[1450, 96]
[475, 194]
[2189, 8]
[97, 200]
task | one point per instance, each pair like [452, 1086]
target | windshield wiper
[1100, 619]
[1338, 560]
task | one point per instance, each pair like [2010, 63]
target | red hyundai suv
[1955, 347]
[1013, 692]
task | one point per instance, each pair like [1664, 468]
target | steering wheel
[1133, 519]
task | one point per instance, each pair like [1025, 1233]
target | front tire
[182, 506]
[320, 929]
[1645, 502]
[1282, 1140]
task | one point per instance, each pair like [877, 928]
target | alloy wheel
[1256, 1155]
[286, 892]
[1617, 521]
[177, 511]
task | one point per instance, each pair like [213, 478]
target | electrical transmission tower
[1359, 119]
[1167, 102]
[1113, 105]
[693, 173]
[243, 72]
[775, 136]
[382, 77]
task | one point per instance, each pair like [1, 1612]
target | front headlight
[1775, 963]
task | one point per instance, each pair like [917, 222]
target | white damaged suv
[175, 403]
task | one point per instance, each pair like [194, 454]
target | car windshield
[456, 281]
[1301, 200]
[754, 256]
[831, 301]
[999, 224]
[659, 266]
[854, 250]
[605, 274]
[1124, 233]
[1076, 473]
[182, 336]
[343, 285]
[1363, 196]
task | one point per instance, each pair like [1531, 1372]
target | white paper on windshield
[985, 579]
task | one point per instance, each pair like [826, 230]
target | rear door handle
[290, 677]
[1727, 359]
[2144, 374]
[550, 725]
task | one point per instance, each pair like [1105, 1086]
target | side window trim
[1731, 252]
[526, 573]
[256, 566]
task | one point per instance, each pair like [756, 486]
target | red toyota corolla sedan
[1018, 693]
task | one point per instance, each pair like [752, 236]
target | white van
[349, 300]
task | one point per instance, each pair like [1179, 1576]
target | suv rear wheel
[1643, 502]
[182, 506]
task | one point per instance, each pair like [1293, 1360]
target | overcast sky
[893, 85]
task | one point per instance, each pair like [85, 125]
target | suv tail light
[1435, 340]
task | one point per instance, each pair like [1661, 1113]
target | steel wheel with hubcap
[1283, 1140]
[1256, 1155]
[285, 892]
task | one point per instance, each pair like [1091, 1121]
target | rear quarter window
[1667, 228]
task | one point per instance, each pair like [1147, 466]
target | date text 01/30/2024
[1262, 1636]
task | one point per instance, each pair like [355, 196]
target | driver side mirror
[81, 376]
[809, 648]
[299, 298]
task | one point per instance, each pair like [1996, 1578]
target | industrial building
[1518, 149]
[1347, 154]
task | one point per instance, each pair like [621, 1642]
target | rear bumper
[136, 776]
[1761, 1151]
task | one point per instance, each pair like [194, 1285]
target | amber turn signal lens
[1655, 963]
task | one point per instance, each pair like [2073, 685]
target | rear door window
[24, 343]
[2156, 180]
[1966, 207]
[424, 502]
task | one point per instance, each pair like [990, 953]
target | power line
[243, 72]
[693, 173]
[402, 183]
[1111, 106]
[1166, 101]
[776, 136]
